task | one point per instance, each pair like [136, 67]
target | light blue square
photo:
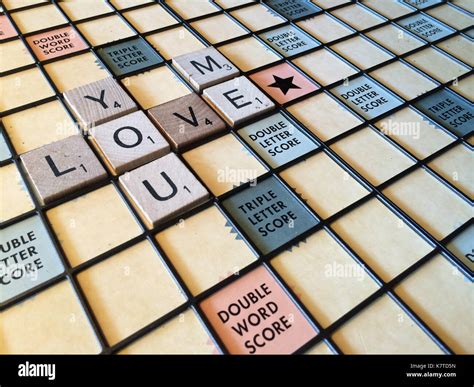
[4, 151]
[462, 247]
[421, 4]
[426, 27]
[289, 40]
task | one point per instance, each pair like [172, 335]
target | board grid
[193, 301]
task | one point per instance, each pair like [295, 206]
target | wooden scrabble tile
[129, 142]
[105, 30]
[17, 54]
[238, 100]
[62, 167]
[6, 28]
[186, 120]
[15, 197]
[205, 68]
[98, 102]
[217, 29]
[38, 18]
[162, 189]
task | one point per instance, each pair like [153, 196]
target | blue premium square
[293, 9]
[289, 40]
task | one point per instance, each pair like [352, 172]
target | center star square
[284, 84]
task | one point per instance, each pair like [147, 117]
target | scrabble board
[236, 177]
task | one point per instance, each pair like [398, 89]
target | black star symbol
[284, 84]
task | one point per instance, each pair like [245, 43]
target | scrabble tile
[366, 97]
[391, 9]
[293, 9]
[205, 249]
[175, 42]
[183, 335]
[6, 28]
[217, 29]
[76, 71]
[124, 301]
[43, 124]
[144, 88]
[29, 325]
[395, 39]
[384, 327]
[152, 17]
[248, 53]
[420, 136]
[205, 68]
[460, 47]
[361, 52]
[372, 156]
[17, 54]
[223, 164]
[100, 217]
[430, 203]
[186, 120]
[15, 197]
[455, 166]
[325, 67]
[162, 189]
[311, 270]
[257, 17]
[23, 88]
[238, 100]
[324, 116]
[358, 16]
[329, 191]
[269, 214]
[404, 80]
[382, 239]
[129, 142]
[77, 11]
[289, 40]
[200, 8]
[62, 167]
[451, 16]
[130, 56]
[449, 110]
[56, 43]
[438, 65]
[226, 315]
[325, 28]
[105, 30]
[439, 276]
[426, 27]
[38, 18]
[422, 4]
[277, 140]
[98, 102]
[462, 246]
[4, 151]
[39, 259]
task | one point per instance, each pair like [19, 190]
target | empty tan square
[38, 126]
[175, 42]
[205, 249]
[14, 54]
[14, 4]
[325, 67]
[325, 278]
[223, 164]
[92, 224]
[248, 54]
[15, 199]
[372, 156]
[124, 4]
[76, 71]
[459, 47]
[150, 18]
[38, 18]
[325, 28]
[198, 8]
[105, 30]
[129, 291]
[22, 88]
[358, 17]
[257, 17]
[381, 239]
[437, 65]
[414, 132]
[51, 322]
[217, 29]
[465, 87]
[456, 166]
[391, 9]
[320, 349]
[226, 4]
[384, 328]
[465, 4]
[183, 335]
[329, 3]
[144, 87]
[361, 52]
[451, 16]
[78, 10]
[430, 203]
[395, 39]
[330, 188]
[442, 296]
[403, 80]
